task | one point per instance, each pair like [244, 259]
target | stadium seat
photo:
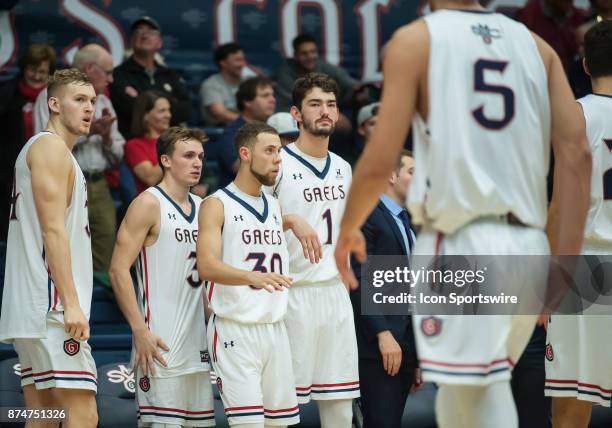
[115, 399]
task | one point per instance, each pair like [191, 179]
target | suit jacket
[383, 237]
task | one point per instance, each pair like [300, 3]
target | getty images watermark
[486, 285]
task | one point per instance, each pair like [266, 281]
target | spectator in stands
[556, 22]
[101, 151]
[306, 60]
[387, 351]
[151, 118]
[285, 125]
[218, 92]
[17, 96]
[141, 72]
[256, 103]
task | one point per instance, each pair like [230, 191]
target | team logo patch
[71, 347]
[144, 383]
[204, 357]
[431, 326]
[550, 355]
[220, 385]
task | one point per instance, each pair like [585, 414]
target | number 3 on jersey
[276, 264]
[506, 93]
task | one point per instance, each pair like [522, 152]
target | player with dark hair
[242, 250]
[159, 232]
[312, 191]
[482, 137]
[578, 353]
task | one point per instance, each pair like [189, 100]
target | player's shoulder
[50, 150]
[146, 202]
[49, 143]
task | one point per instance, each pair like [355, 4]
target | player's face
[404, 177]
[146, 39]
[233, 64]
[265, 158]
[263, 105]
[319, 113]
[75, 104]
[307, 56]
[185, 162]
[158, 119]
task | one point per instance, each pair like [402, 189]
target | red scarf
[30, 94]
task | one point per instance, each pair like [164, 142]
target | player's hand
[418, 381]
[391, 352]
[75, 323]
[269, 281]
[349, 242]
[147, 346]
[543, 319]
[308, 237]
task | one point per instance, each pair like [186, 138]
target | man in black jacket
[387, 352]
[141, 72]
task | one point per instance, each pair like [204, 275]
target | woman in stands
[150, 119]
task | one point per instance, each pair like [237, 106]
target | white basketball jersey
[484, 149]
[170, 290]
[598, 115]
[253, 240]
[316, 190]
[29, 291]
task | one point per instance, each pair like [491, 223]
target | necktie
[403, 215]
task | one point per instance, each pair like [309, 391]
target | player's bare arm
[572, 174]
[138, 229]
[305, 233]
[404, 66]
[53, 178]
[210, 264]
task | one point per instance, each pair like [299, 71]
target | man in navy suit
[387, 352]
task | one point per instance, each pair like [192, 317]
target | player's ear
[53, 104]
[361, 131]
[165, 161]
[244, 153]
[295, 113]
[585, 67]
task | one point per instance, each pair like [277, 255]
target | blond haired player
[49, 275]
[159, 232]
[485, 113]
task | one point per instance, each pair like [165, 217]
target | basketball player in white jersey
[49, 275]
[311, 191]
[159, 232]
[579, 352]
[241, 251]
[486, 110]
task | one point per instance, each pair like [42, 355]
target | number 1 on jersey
[327, 217]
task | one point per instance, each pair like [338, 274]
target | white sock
[476, 406]
[336, 413]
[158, 425]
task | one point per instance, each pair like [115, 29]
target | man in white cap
[285, 125]
[366, 120]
